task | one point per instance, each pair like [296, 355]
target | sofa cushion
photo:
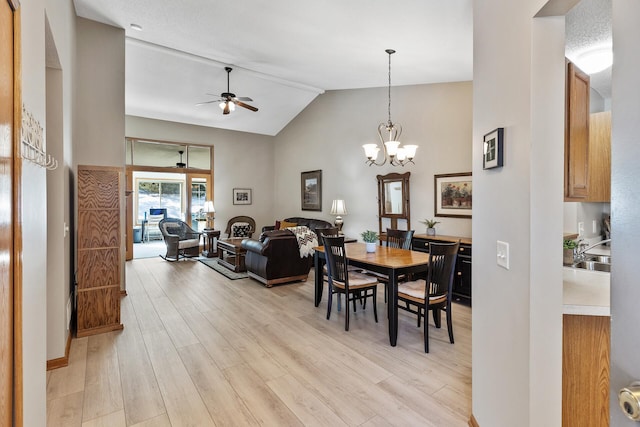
[286, 224]
[241, 229]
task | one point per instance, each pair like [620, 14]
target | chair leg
[437, 317]
[353, 299]
[419, 314]
[375, 303]
[449, 324]
[329, 302]
[385, 291]
[426, 332]
[346, 311]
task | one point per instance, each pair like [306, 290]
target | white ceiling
[284, 52]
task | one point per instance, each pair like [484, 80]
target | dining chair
[400, 239]
[434, 293]
[354, 285]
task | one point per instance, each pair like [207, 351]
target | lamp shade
[338, 207]
[208, 206]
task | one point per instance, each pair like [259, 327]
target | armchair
[180, 239]
[241, 226]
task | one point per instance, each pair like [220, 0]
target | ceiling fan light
[222, 105]
[232, 106]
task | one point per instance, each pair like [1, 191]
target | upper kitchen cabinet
[576, 144]
[587, 174]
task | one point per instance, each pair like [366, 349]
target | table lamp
[210, 210]
[338, 208]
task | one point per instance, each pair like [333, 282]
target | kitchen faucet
[579, 255]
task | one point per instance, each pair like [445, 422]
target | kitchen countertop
[586, 292]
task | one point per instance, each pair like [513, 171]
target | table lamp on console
[210, 211]
[338, 208]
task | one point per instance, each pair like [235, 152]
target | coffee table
[231, 254]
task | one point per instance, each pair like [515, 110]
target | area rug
[213, 263]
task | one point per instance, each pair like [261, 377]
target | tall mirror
[393, 202]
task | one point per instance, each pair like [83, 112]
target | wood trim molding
[60, 362]
[473, 422]
[18, 404]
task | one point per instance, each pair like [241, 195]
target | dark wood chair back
[442, 263]
[336, 259]
[400, 239]
[327, 231]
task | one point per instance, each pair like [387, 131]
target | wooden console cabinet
[99, 271]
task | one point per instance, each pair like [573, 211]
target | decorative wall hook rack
[32, 146]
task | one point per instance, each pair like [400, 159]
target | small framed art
[241, 196]
[311, 190]
[453, 195]
[492, 148]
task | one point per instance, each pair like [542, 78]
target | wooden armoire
[99, 271]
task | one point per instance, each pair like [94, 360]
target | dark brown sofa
[275, 257]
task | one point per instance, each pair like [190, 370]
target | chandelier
[393, 152]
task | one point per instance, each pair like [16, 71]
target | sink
[605, 259]
[593, 265]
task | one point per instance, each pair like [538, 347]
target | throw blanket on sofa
[306, 238]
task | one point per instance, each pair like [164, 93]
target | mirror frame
[405, 215]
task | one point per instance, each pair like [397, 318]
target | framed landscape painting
[311, 189]
[241, 196]
[453, 195]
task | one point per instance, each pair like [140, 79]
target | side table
[210, 248]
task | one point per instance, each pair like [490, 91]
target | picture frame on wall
[241, 196]
[492, 148]
[453, 194]
[311, 190]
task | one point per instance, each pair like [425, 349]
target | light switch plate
[502, 254]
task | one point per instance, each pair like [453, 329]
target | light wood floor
[198, 349]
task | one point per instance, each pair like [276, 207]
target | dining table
[392, 262]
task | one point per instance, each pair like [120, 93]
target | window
[159, 194]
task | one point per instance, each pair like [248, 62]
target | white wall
[329, 135]
[34, 186]
[241, 160]
[519, 85]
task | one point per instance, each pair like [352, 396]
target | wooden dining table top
[383, 256]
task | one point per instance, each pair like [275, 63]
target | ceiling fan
[228, 100]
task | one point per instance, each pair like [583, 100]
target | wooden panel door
[9, 361]
[99, 250]
[576, 149]
[600, 157]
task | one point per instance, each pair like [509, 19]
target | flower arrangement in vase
[370, 239]
[431, 226]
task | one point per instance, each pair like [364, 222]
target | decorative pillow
[285, 224]
[240, 229]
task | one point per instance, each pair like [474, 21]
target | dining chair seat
[357, 281]
[416, 290]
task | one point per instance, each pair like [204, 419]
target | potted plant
[568, 251]
[431, 224]
[370, 239]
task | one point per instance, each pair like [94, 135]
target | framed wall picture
[492, 146]
[241, 196]
[453, 195]
[311, 190]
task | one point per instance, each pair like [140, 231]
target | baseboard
[473, 422]
[61, 362]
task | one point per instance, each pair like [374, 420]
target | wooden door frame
[16, 262]
[129, 190]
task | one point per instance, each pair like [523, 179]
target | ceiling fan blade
[247, 106]
[207, 102]
[244, 98]
[226, 108]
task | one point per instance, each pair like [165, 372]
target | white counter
[586, 292]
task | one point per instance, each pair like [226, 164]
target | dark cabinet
[462, 275]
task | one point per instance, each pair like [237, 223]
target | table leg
[392, 307]
[317, 266]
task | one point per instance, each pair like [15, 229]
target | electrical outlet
[581, 229]
[502, 254]
[594, 226]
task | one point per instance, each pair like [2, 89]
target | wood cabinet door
[600, 157]
[577, 135]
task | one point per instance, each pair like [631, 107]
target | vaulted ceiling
[283, 53]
